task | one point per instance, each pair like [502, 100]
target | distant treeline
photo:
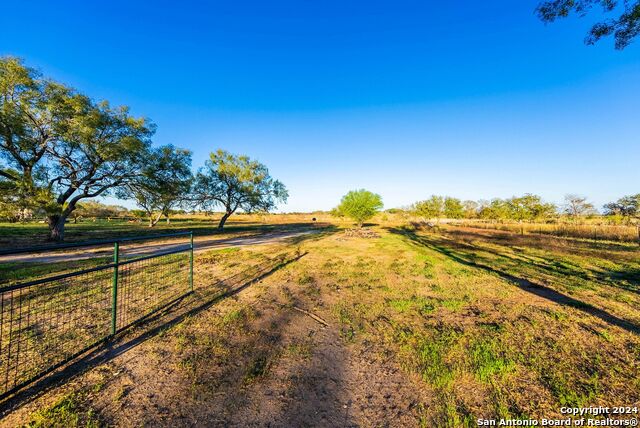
[525, 208]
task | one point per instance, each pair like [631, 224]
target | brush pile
[361, 233]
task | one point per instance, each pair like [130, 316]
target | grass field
[412, 328]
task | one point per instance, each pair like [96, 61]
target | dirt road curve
[135, 249]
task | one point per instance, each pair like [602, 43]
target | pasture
[431, 327]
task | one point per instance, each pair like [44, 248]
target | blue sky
[404, 98]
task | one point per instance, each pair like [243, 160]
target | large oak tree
[59, 147]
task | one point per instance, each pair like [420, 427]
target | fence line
[46, 322]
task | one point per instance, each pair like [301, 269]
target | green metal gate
[48, 321]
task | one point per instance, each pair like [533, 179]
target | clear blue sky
[405, 98]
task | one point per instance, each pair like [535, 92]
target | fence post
[114, 289]
[191, 262]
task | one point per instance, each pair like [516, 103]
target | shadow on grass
[543, 240]
[625, 277]
[456, 252]
[173, 313]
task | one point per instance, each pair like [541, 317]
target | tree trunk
[56, 227]
[223, 220]
[152, 221]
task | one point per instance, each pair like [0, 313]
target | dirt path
[284, 369]
[201, 243]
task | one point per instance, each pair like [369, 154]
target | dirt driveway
[138, 249]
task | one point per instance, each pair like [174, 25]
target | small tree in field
[236, 182]
[529, 207]
[453, 208]
[576, 206]
[627, 207]
[430, 208]
[470, 209]
[497, 210]
[360, 205]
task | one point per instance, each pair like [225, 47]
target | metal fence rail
[46, 322]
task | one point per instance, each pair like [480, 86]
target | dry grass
[590, 230]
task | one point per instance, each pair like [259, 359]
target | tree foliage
[470, 208]
[59, 147]
[440, 206]
[95, 209]
[496, 209]
[430, 208]
[529, 207]
[576, 206]
[624, 28]
[163, 183]
[627, 206]
[236, 182]
[453, 208]
[359, 205]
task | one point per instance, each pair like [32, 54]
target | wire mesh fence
[48, 321]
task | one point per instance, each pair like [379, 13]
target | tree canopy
[163, 183]
[59, 147]
[624, 28]
[627, 206]
[529, 207]
[576, 205]
[360, 205]
[496, 209]
[235, 182]
[453, 208]
[430, 208]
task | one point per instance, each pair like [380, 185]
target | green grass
[487, 360]
[237, 316]
[420, 304]
[67, 411]
[349, 321]
[428, 355]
